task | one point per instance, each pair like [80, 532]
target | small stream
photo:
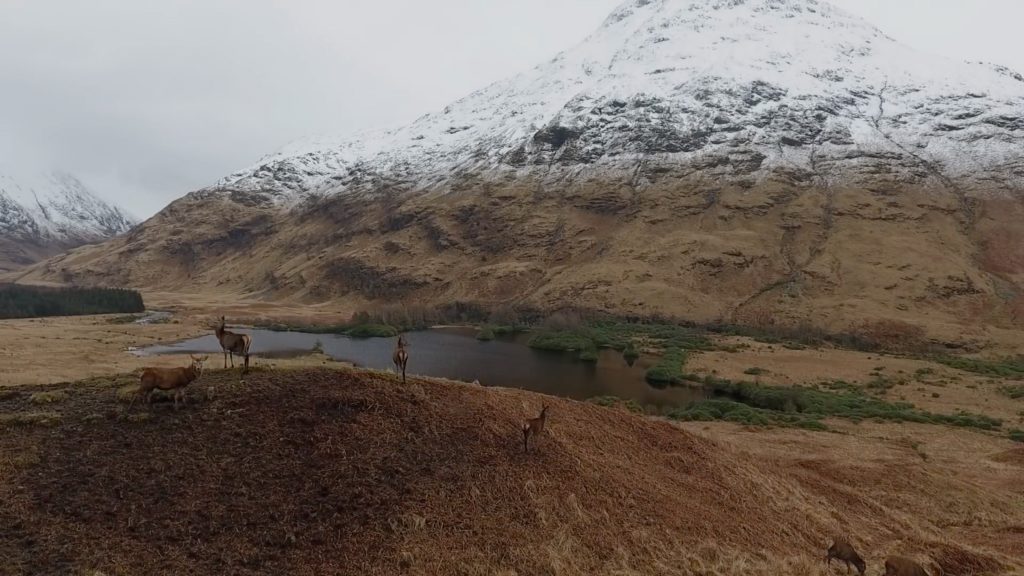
[455, 353]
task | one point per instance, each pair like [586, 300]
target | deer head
[197, 363]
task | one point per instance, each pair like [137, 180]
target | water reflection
[455, 353]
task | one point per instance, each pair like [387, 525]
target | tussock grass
[127, 393]
[48, 397]
[30, 419]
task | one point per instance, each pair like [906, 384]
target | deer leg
[232, 356]
[225, 359]
[246, 369]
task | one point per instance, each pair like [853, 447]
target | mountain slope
[759, 161]
[46, 213]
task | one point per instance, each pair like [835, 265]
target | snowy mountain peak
[735, 90]
[55, 207]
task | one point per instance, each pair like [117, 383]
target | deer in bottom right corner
[843, 551]
[533, 427]
[903, 566]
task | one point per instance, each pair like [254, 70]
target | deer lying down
[533, 427]
[901, 566]
[169, 379]
[843, 551]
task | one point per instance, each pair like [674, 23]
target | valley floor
[309, 466]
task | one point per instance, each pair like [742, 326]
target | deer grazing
[843, 551]
[233, 344]
[902, 566]
[401, 356]
[169, 379]
[533, 427]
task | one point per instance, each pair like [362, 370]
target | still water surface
[455, 353]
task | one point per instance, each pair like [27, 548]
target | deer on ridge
[169, 379]
[401, 356]
[233, 344]
[533, 427]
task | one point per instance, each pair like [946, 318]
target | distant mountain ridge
[44, 213]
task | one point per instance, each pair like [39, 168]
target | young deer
[902, 566]
[232, 344]
[843, 551]
[533, 427]
[401, 356]
[169, 379]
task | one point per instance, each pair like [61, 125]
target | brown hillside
[346, 472]
[778, 253]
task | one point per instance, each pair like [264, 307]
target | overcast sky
[147, 100]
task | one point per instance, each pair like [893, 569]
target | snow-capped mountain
[756, 162]
[738, 89]
[45, 212]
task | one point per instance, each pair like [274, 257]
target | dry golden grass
[349, 472]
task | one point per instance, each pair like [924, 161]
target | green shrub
[1012, 368]
[1017, 435]
[852, 404]
[562, 341]
[755, 371]
[616, 402]
[630, 352]
[732, 411]
[1014, 392]
[485, 333]
[669, 369]
[589, 354]
[371, 331]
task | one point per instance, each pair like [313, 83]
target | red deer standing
[401, 356]
[232, 344]
[169, 379]
[533, 427]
